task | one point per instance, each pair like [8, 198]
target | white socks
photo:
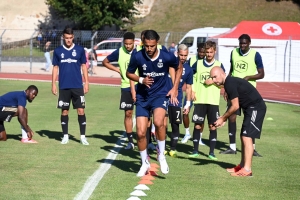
[24, 133]
[161, 147]
[187, 131]
[153, 128]
[233, 146]
[81, 136]
[143, 156]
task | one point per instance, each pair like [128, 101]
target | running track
[274, 91]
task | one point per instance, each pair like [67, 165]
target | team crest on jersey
[62, 55]
[144, 66]
[160, 64]
[74, 53]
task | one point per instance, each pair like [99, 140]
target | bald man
[242, 94]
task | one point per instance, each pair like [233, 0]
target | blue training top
[13, 99]
[157, 68]
[69, 62]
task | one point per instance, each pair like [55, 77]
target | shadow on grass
[56, 135]
[14, 137]
[200, 161]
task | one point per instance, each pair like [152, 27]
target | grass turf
[49, 170]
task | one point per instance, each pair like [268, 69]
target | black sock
[212, 141]
[196, 138]
[148, 135]
[232, 132]
[82, 124]
[64, 119]
[174, 136]
[129, 136]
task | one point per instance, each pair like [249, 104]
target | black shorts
[65, 96]
[175, 115]
[253, 120]
[201, 110]
[7, 113]
[126, 101]
[237, 112]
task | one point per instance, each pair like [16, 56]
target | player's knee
[80, 111]
[197, 126]
[128, 113]
[211, 127]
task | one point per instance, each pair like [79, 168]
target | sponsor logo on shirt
[154, 74]
[62, 55]
[69, 60]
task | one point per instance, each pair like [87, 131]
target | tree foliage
[92, 14]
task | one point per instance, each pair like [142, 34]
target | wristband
[141, 80]
[187, 104]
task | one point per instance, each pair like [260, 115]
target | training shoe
[234, 169]
[212, 156]
[164, 168]
[151, 146]
[255, 153]
[242, 172]
[200, 142]
[84, 141]
[173, 153]
[228, 151]
[194, 154]
[129, 146]
[185, 138]
[65, 140]
[144, 169]
[30, 141]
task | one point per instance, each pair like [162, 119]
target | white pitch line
[93, 180]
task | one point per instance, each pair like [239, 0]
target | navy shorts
[201, 110]
[253, 120]
[144, 108]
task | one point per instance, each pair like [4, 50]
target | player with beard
[153, 94]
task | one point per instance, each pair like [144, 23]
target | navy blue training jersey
[158, 69]
[187, 77]
[13, 99]
[69, 62]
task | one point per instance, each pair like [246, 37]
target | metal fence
[281, 58]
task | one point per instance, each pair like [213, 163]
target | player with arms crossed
[152, 94]
[242, 94]
[70, 59]
[13, 104]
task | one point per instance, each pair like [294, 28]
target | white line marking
[94, 179]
